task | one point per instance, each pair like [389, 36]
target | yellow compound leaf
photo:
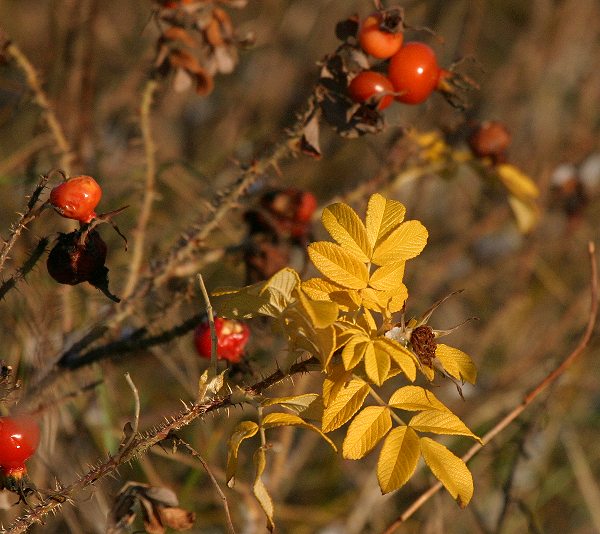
[527, 213]
[325, 342]
[345, 404]
[383, 216]
[456, 363]
[338, 265]
[440, 422]
[277, 419]
[401, 356]
[415, 398]
[398, 458]
[517, 182]
[319, 289]
[321, 313]
[405, 242]
[449, 469]
[335, 380]
[366, 430]
[377, 363]
[244, 430]
[389, 277]
[344, 225]
[259, 489]
[354, 350]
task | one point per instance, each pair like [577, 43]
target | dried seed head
[423, 344]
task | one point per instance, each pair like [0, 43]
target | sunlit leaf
[354, 350]
[325, 341]
[344, 225]
[335, 380]
[238, 304]
[277, 419]
[517, 182]
[440, 422]
[383, 216]
[284, 281]
[244, 430]
[405, 242]
[321, 313]
[449, 469]
[456, 363]
[259, 489]
[338, 265]
[415, 398]
[398, 458]
[377, 363]
[388, 277]
[319, 289]
[365, 431]
[296, 403]
[401, 355]
[347, 299]
[345, 404]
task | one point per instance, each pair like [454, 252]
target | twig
[136, 413]
[139, 233]
[141, 444]
[28, 264]
[212, 370]
[209, 472]
[529, 397]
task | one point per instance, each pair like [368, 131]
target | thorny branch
[529, 397]
[140, 444]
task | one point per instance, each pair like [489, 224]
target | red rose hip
[414, 72]
[369, 86]
[232, 337]
[376, 40]
[19, 438]
[77, 198]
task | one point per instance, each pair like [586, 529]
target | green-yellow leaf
[284, 281]
[259, 489]
[354, 350]
[244, 430]
[440, 422]
[344, 225]
[238, 304]
[401, 356]
[517, 182]
[456, 363]
[398, 458]
[388, 277]
[321, 313]
[415, 399]
[345, 404]
[383, 216]
[296, 403]
[366, 430]
[377, 363]
[405, 242]
[449, 469]
[274, 420]
[338, 265]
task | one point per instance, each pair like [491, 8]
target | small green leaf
[449, 469]
[244, 430]
[365, 431]
[344, 225]
[398, 458]
[338, 265]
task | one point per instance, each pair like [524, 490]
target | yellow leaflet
[383, 216]
[517, 182]
[345, 404]
[440, 422]
[354, 350]
[456, 363]
[377, 363]
[405, 242]
[259, 489]
[415, 398]
[347, 299]
[344, 225]
[338, 265]
[401, 355]
[319, 289]
[366, 321]
[526, 212]
[297, 403]
[239, 304]
[449, 469]
[389, 277]
[320, 312]
[398, 458]
[274, 420]
[283, 281]
[325, 341]
[366, 430]
[244, 430]
[335, 380]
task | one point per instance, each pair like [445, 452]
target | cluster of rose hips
[79, 256]
[413, 73]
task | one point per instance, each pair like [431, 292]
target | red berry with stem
[414, 73]
[376, 40]
[232, 337]
[371, 86]
[77, 198]
[19, 438]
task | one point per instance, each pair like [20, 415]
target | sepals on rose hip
[232, 338]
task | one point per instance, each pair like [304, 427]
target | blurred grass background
[538, 71]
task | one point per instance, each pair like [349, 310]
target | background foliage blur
[537, 64]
